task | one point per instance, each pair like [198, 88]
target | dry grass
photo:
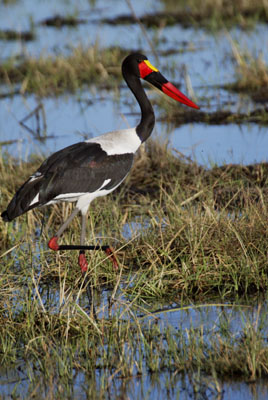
[50, 76]
[203, 234]
[213, 14]
[204, 231]
[251, 74]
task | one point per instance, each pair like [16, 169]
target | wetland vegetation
[212, 15]
[203, 235]
[252, 75]
[52, 76]
[188, 238]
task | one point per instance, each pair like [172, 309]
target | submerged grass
[202, 233]
[67, 355]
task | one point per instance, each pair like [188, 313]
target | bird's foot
[110, 253]
[82, 261]
[52, 244]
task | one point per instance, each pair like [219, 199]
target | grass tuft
[252, 74]
[212, 15]
[52, 76]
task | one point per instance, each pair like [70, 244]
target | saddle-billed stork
[86, 170]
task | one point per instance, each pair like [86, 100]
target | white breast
[118, 142]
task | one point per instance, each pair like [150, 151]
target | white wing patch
[68, 196]
[118, 142]
[85, 200]
[35, 199]
[104, 183]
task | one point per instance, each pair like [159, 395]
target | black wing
[79, 168]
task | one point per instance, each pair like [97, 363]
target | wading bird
[86, 170]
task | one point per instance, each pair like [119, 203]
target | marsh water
[213, 319]
[73, 117]
[70, 118]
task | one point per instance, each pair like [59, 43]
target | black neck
[146, 125]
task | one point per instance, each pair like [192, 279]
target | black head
[131, 63]
[137, 65]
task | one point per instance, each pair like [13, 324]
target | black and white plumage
[86, 170]
[79, 172]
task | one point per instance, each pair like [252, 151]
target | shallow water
[211, 321]
[150, 387]
[208, 61]
[70, 120]
[214, 320]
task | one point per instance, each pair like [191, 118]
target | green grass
[203, 236]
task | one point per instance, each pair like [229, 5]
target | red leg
[82, 261]
[110, 253]
[52, 244]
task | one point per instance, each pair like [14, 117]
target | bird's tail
[26, 198]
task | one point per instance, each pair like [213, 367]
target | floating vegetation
[8, 34]
[219, 117]
[58, 21]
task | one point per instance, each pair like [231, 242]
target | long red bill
[152, 75]
[171, 91]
